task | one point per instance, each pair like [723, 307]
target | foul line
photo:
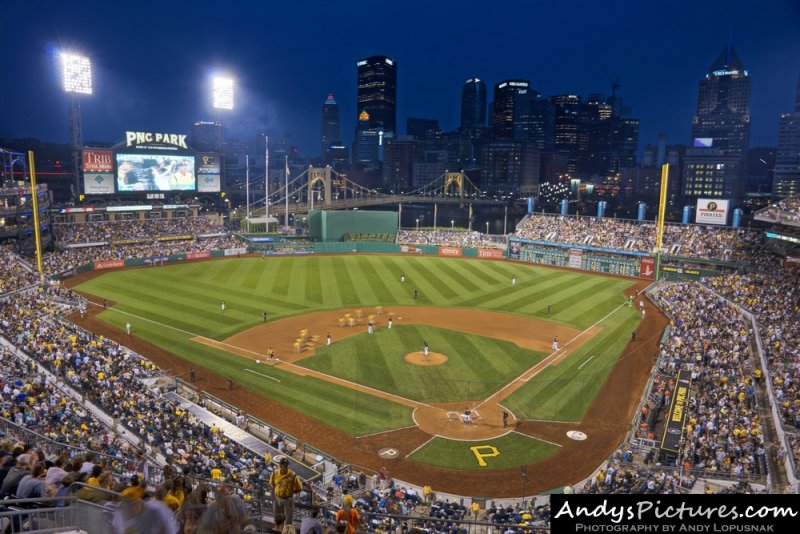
[425, 443]
[547, 360]
[587, 361]
[537, 439]
[261, 374]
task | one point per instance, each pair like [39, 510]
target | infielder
[425, 349]
[555, 343]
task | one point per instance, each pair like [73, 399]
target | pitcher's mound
[434, 358]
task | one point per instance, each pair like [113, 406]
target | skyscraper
[330, 125]
[787, 160]
[723, 105]
[473, 104]
[566, 128]
[511, 104]
[377, 92]
[207, 136]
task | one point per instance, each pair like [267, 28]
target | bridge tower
[456, 180]
[319, 175]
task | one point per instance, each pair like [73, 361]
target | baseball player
[128, 328]
[425, 349]
[555, 343]
[222, 305]
[513, 280]
[390, 322]
[328, 339]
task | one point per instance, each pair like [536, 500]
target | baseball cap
[284, 461]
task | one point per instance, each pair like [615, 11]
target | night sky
[152, 59]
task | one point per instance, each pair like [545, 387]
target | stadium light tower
[222, 99]
[222, 90]
[76, 77]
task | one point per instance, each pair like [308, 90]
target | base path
[436, 419]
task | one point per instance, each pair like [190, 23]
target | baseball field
[490, 326]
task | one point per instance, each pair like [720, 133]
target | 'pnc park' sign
[141, 138]
[677, 412]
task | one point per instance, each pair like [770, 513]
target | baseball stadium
[436, 375]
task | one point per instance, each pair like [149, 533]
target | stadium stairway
[234, 433]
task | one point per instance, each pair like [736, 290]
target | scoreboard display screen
[155, 172]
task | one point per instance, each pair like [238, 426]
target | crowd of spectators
[785, 211]
[16, 273]
[451, 238]
[727, 244]
[63, 260]
[113, 378]
[111, 231]
[709, 338]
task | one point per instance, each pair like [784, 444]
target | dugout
[327, 226]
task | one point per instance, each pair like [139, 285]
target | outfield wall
[327, 226]
[583, 257]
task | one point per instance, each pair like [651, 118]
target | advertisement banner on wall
[235, 251]
[198, 255]
[647, 268]
[109, 264]
[513, 250]
[95, 160]
[410, 250]
[98, 183]
[450, 251]
[676, 417]
[490, 253]
[712, 211]
[208, 183]
[575, 257]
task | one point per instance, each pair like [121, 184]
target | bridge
[324, 188]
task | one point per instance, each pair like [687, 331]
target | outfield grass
[514, 450]
[183, 300]
[477, 366]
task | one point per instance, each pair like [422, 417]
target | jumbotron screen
[155, 172]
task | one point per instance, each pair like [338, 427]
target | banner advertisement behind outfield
[108, 264]
[198, 255]
[575, 258]
[676, 416]
[95, 160]
[235, 251]
[175, 238]
[513, 250]
[98, 183]
[647, 268]
[450, 251]
[490, 253]
[712, 211]
[410, 250]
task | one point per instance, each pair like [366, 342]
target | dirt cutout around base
[419, 358]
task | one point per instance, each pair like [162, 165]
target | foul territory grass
[476, 367]
[169, 305]
[513, 450]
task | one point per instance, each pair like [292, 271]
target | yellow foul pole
[662, 209]
[32, 168]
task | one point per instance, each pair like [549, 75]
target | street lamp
[417, 224]
[76, 76]
[452, 224]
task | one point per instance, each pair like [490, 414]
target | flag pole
[247, 190]
[286, 172]
[266, 180]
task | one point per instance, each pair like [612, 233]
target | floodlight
[223, 92]
[76, 73]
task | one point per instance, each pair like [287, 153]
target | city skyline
[156, 79]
